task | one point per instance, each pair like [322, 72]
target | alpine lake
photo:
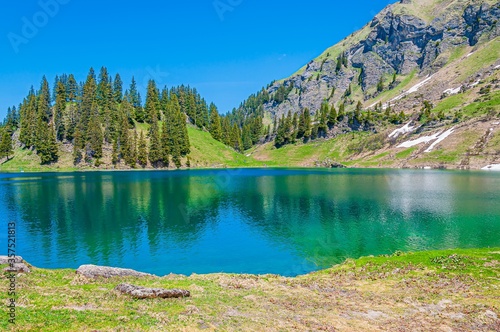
[258, 221]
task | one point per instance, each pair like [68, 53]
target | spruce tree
[95, 136]
[215, 123]
[60, 109]
[155, 146]
[332, 116]
[115, 158]
[43, 103]
[236, 142]
[71, 89]
[380, 85]
[118, 89]
[226, 131]
[6, 144]
[167, 141]
[246, 137]
[46, 145]
[142, 153]
[152, 107]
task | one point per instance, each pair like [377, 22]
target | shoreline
[456, 289]
[111, 170]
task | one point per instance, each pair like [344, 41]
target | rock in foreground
[150, 293]
[93, 271]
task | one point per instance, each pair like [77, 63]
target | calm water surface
[281, 221]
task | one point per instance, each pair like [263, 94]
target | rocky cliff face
[396, 41]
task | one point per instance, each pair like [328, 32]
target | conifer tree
[124, 139]
[167, 141]
[78, 144]
[246, 137]
[236, 142]
[115, 158]
[380, 85]
[71, 89]
[155, 146]
[142, 153]
[118, 89]
[152, 107]
[226, 131]
[332, 116]
[46, 145]
[43, 103]
[215, 123]
[60, 109]
[341, 112]
[95, 137]
[6, 144]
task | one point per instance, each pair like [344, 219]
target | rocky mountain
[420, 86]
[411, 38]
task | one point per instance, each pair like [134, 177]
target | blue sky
[227, 49]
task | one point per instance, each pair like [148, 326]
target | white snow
[453, 91]
[496, 67]
[468, 55]
[423, 139]
[413, 89]
[441, 138]
[437, 137]
[416, 87]
[496, 123]
[403, 130]
[494, 167]
[474, 84]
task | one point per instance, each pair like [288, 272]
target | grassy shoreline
[423, 291]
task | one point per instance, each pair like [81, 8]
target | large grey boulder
[139, 292]
[93, 271]
[5, 259]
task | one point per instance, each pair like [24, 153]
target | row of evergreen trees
[97, 113]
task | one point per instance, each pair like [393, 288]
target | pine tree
[6, 144]
[236, 142]
[43, 103]
[60, 109]
[115, 158]
[341, 112]
[78, 144]
[152, 107]
[142, 154]
[118, 89]
[46, 145]
[135, 101]
[246, 137]
[332, 116]
[95, 137]
[215, 123]
[380, 85]
[155, 146]
[226, 131]
[71, 89]
[167, 140]
[132, 162]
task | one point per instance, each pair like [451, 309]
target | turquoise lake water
[282, 221]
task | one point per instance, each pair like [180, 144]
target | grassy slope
[438, 290]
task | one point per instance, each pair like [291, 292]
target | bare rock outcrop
[94, 271]
[18, 266]
[139, 292]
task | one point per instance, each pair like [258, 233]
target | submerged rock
[93, 271]
[150, 293]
